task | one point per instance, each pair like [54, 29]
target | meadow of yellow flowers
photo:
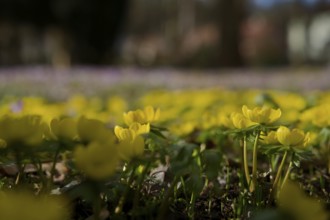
[179, 154]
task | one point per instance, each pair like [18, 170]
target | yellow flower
[125, 133]
[3, 144]
[239, 121]
[26, 130]
[63, 129]
[261, 115]
[226, 121]
[116, 104]
[293, 138]
[132, 132]
[93, 130]
[98, 160]
[130, 148]
[313, 137]
[183, 128]
[16, 205]
[148, 115]
[134, 116]
[139, 128]
[131, 144]
[270, 138]
[289, 100]
[151, 114]
[293, 201]
[321, 116]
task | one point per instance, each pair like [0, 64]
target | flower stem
[328, 152]
[166, 200]
[53, 169]
[139, 187]
[279, 171]
[20, 167]
[246, 167]
[255, 162]
[122, 199]
[97, 208]
[287, 174]
[191, 211]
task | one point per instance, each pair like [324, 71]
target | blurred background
[153, 33]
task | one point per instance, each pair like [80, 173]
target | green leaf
[153, 127]
[158, 133]
[272, 149]
[211, 159]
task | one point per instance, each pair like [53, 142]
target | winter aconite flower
[97, 155]
[292, 138]
[98, 160]
[3, 144]
[147, 115]
[116, 105]
[140, 128]
[261, 115]
[239, 121]
[26, 130]
[318, 115]
[270, 138]
[17, 205]
[293, 201]
[65, 128]
[131, 143]
[93, 130]
[130, 148]
[132, 132]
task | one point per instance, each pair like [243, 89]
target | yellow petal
[139, 128]
[157, 114]
[264, 115]
[239, 121]
[118, 131]
[292, 138]
[297, 137]
[283, 135]
[91, 129]
[270, 138]
[128, 149]
[149, 113]
[245, 111]
[128, 118]
[65, 128]
[293, 201]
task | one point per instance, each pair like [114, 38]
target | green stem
[141, 179]
[246, 167]
[122, 199]
[52, 171]
[328, 149]
[192, 205]
[279, 171]
[166, 199]
[274, 161]
[97, 208]
[20, 167]
[255, 162]
[38, 164]
[17, 179]
[287, 174]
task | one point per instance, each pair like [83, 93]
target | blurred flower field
[159, 153]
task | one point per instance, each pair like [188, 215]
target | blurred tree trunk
[231, 16]
[186, 16]
[105, 34]
[94, 27]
